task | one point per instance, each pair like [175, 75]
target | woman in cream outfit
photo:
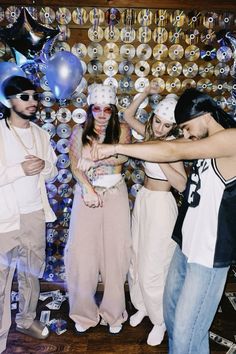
[153, 218]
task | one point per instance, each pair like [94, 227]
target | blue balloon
[64, 73]
[7, 70]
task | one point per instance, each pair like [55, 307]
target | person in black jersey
[205, 228]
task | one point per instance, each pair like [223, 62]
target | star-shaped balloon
[26, 37]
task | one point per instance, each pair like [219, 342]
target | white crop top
[153, 170]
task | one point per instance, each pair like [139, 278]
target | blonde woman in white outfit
[153, 218]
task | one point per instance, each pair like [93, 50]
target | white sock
[137, 318]
[80, 328]
[115, 329]
[156, 335]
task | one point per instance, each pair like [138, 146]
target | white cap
[166, 108]
[101, 94]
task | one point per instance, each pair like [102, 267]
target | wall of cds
[127, 48]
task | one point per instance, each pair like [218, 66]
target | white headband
[101, 94]
[166, 108]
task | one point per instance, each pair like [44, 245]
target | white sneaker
[79, 328]
[137, 318]
[156, 335]
[115, 329]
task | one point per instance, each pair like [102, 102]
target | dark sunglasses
[26, 96]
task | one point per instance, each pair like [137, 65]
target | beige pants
[99, 242]
[153, 220]
[24, 249]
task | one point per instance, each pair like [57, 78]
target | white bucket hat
[101, 94]
[166, 108]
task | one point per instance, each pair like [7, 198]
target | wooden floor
[98, 340]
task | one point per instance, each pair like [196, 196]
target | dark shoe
[35, 330]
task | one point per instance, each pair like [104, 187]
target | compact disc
[161, 17]
[95, 34]
[206, 70]
[226, 19]
[47, 115]
[124, 101]
[47, 15]
[135, 188]
[144, 103]
[79, 100]
[219, 87]
[2, 14]
[95, 67]
[160, 35]
[64, 34]
[224, 54]
[2, 49]
[190, 69]
[142, 68]
[95, 50]
[112, 16]
[63, 130]
[126, 175]
[204, 85]
[208, 36]
[145, 17]
[44, 83]
[158, 68]
[194, 19]
[47, 99]
[82, 86]
[79, 50]
[64, 220]
[51, 234]
[96, 16]
[63, 16]
[192, 53]
[127, 35]
[63, 146]
[192, 36]
[64, 190]
[154, 100]
[63, 115]
[159, 83]
[176, 52]
[231, 103]
[127, 51]
[210, 19]
[177, 18]
[111, 51]
[221, 101]
[111, 81]
[188, 83]
[12, 13]
[110, 67]
[129, 17]
[79, 115]
[50, 128]
[230, 86]
[144, 34]
[126, 84]
[137, 176]
[221, 70]
[112, 34]
[208, 53]
[141, 115]
[174, 68]
[144, 51]
[64, 176]
[173, 85]
[160, 52]
[141, 83]
[61, 46]
[126, 67]
[177, 35]
[51, 190]
[63, 161]
[80, 16]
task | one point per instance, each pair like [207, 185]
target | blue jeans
[191, 297]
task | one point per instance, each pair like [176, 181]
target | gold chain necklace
[26, 148]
